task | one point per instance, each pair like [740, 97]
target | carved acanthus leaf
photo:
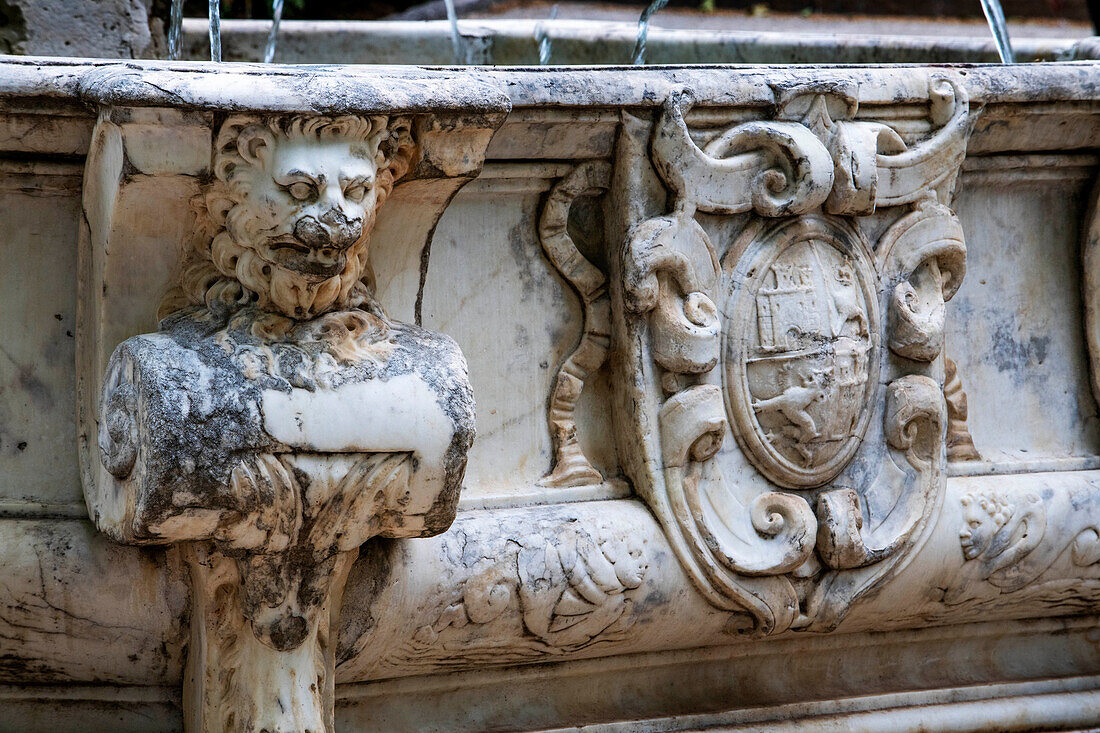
[960, 445]
[570, 588]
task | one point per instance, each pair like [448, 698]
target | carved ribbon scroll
[571, 467]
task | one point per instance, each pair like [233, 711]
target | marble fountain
[516, 397]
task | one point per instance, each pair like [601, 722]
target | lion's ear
[254, 144]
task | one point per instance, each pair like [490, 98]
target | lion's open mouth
[314, 263]
[291, 244]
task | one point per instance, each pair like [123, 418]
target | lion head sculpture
[289, 215]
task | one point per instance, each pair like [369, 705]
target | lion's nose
[334, 229]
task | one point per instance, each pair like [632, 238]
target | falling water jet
[276, 17]
[995, 16]
[215, 30]
[542, 36]
[175, 27]
[643, 30]
[456, 39]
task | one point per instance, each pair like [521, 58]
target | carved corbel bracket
[797, 461]
[279, 417]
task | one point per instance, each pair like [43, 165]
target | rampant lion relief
[279, 418]
[780, 367]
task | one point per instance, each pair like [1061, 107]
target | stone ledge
[430, 588]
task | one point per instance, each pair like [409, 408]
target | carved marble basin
[784, 382]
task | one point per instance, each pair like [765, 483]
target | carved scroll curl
[671, 273]
[907, 174]
[915, 418]
[693, 425]
[774, 168]
[922, 257]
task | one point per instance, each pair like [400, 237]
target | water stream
[638, 57]
[995, 15]
[175, 29]
[272, 35]
[215, 30]
[542, 35]
[456, 39]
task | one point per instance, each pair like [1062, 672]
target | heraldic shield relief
[801, 352]
[777, 335]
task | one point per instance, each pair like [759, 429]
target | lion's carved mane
[221, 272]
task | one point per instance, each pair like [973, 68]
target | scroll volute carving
[279, 418]
[923, 260]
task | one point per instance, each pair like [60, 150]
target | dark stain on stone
[35, 388]
[521, 237]
[368, 578]
[1013, 354]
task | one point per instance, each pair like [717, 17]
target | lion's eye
[300, 190]
[355, 192]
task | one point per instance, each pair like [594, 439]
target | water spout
[543, 38]
[215, 30]
[276, 17]
[995, 15]
[456, 39]
[643, 30]
[175, 28]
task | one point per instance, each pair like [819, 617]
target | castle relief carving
[279, 418]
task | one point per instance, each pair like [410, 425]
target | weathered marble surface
[119, 29]
[585, 570]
